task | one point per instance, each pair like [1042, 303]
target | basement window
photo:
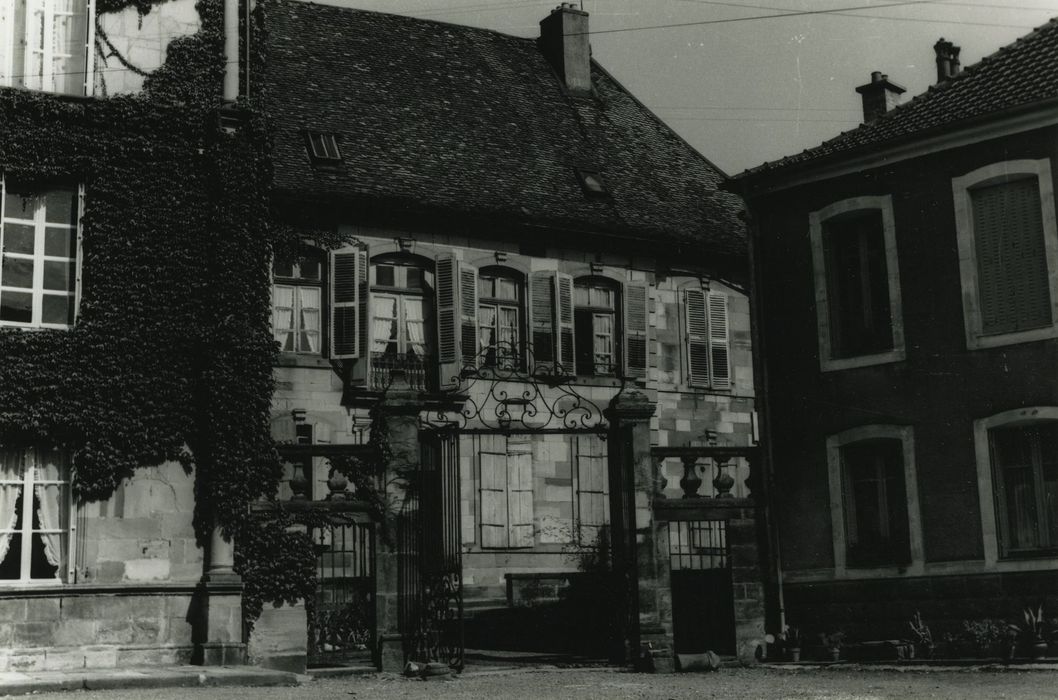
[592, 183]
[323, 147]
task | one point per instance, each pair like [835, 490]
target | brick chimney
[947, 59]
[564, 43]
[879, 96]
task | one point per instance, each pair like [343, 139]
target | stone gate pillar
[217, 631]
[636, 537]
[400, 412]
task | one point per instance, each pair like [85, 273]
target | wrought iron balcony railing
[419, 370]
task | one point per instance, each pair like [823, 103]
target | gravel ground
[729, 684]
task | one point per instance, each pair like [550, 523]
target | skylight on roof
[592, 183]
[323, 147]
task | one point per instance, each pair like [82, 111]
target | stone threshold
[920, 665]
[28, 682]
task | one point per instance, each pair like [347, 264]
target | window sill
[295, 359]
[881, 358]
[979, 341]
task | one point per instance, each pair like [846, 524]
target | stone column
[218, 629]
[400, 411]
[637, 539]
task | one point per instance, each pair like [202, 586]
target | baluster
[723, 481]
[660, 480]
[691, 482]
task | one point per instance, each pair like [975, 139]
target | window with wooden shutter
[449, 321]
[542, 321]
[345, 307]
[592, 487]
[636, 330]
[520, 492]
[492, 457]
[697, 337]
[719, 342]
[506, 492]
[564, 314]
[468, 314]
[1013, 283]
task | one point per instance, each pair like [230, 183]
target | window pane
[385, 276]
[18, 238]
[17, 272]
[18, 205]
[283, 296]
[857, 284]
[16, 306]
[309, 269]
[601, 297]
[57, 309]
[309, 297]
[876, 529]
[310, 319]
[413, 278]
[580, 296]
[487, 316]
[309, 341]
[506, 289]
[60, 207]
[282, 268]
[486, 287]
[60, 242]
[58, 275]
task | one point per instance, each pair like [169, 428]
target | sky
[744, 88]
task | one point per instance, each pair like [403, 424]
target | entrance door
[703, 611]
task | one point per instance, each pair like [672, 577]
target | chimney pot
[564, 43]
[879, 96]
[947, 59]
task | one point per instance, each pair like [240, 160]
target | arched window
[596, 332]
[501, 298]
[401, 306]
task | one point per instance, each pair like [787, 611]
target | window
[39, 237]
[1025, 476]
[506, 468]
[593, 507]
[323, 147]
[856, 283]
[592, 183]
[708, 340]
[44, 44]
[297, 294]
[499, 317]
[874, 499]
[595, 321]
[34, 516]
[1008, 252]
[401, 309]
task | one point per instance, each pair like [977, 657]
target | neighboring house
[906, 280]
[498, 221]
[112, 270]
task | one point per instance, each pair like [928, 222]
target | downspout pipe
[231, 50]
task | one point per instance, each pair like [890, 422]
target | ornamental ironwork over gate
[431, 567]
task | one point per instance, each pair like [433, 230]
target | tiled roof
[446, 118]
[1018, 75]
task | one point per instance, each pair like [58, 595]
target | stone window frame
[995, 173]
[906, 435]
[986, 490]
[816, 219]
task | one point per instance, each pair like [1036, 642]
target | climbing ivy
[171, 356]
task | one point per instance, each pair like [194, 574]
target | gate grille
[703, 609]
[342, 618]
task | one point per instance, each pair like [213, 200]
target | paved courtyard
[729, 684]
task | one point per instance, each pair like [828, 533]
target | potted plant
[1030, 632]
[790, 637]
[832, 643]
[921, 636]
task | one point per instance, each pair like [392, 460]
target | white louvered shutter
[636, 330]
[448, 320]
[468, 314]
[520, 493]
[345, 304]
[564, 352]
[719, 342]
[361, 373]
[697, 337]
[542, 321]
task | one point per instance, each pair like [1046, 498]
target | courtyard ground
[729, 684]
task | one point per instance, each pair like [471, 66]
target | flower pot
[1038, 649]
[835, 654]
[794, 653]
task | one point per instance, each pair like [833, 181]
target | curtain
[10, 472]
[413, 317]
[50, 468]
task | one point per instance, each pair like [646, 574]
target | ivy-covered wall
[171, 356]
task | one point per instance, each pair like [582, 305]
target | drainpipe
[231, 50]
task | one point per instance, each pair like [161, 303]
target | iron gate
[342, 617]
[431, 568]
[703, 609]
